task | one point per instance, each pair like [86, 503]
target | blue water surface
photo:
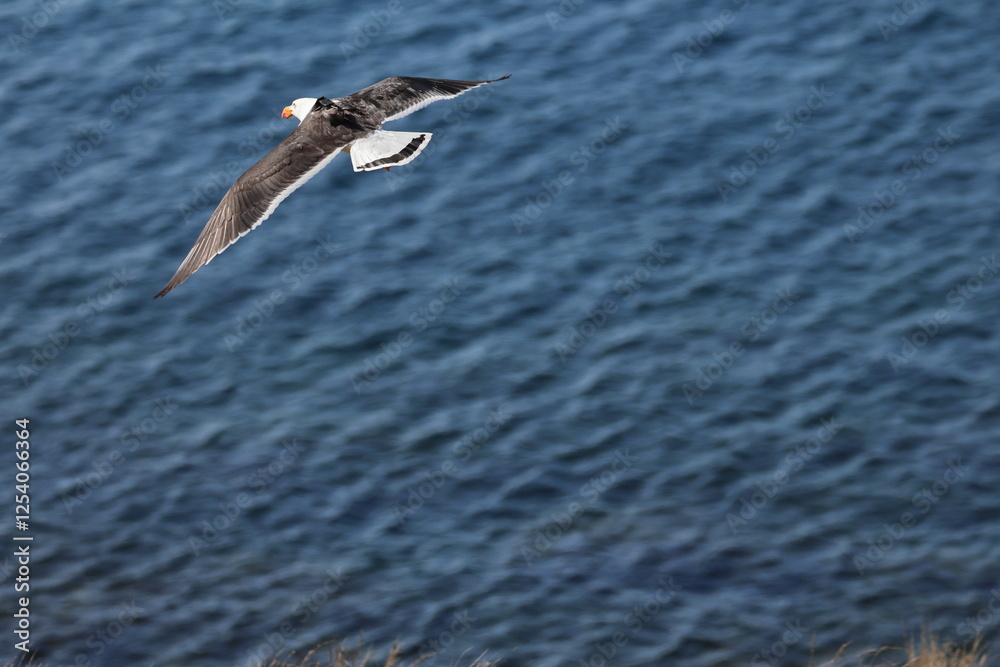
[677, 347]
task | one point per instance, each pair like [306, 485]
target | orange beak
[287, 112]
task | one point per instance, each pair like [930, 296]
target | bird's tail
[383, 149]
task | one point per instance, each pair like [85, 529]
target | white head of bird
[299, 108]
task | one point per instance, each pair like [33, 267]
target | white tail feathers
[383, 149]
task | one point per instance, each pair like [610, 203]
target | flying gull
[350, 124]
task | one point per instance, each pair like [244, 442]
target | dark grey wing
[254, 196]
[399, 96]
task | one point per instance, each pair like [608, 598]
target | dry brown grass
[330, 654]
[927, 651]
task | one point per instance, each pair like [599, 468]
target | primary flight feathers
[326, 127]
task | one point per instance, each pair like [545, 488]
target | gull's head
[299, 108]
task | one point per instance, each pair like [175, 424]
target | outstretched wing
[400, 96]
[253, 198]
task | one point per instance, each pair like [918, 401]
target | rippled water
[677, 346]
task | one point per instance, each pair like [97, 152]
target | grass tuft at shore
[331, 654]
[927, 651]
